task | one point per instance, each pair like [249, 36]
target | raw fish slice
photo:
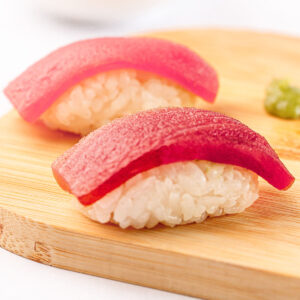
[111, 155]
[33, 92]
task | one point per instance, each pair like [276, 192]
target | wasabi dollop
[283, 100]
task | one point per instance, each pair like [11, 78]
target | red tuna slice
[40, 85]
[111, 155]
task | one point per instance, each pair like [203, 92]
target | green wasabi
[283, 100]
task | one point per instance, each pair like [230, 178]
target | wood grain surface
[252, 255]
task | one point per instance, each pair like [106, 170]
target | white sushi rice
[178, 193]
[99, 99]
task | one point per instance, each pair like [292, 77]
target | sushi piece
[84, 85]
[170, 166]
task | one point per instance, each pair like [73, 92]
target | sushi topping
[111, 155]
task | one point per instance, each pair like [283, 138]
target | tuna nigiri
[170, 166]
[86, 84]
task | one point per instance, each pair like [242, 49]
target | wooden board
[253, 255]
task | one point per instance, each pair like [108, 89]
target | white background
[26, 34]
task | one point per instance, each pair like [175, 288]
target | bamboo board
[253, 255]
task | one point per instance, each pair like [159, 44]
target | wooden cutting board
[253, 255]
